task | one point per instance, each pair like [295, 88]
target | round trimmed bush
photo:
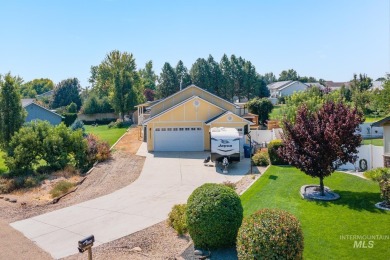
[270, 234]
[214, 215]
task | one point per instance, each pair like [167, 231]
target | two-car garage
[178, 139]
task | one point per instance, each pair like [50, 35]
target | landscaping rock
[136, 249]
[6, 199]
[1, 197]
[198, 252]
[311, 192]
[13, 200]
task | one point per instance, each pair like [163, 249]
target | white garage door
[178, 139]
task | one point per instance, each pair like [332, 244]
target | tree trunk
[322, 186]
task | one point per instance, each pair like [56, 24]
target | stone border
[321, 198]
[379, 206]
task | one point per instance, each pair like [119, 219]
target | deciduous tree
[318, 143]
[261, 107]
[117, 73]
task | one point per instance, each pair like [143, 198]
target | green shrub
[61, 188]
[261, 158]
[7, 185]
[177, 218]
[39, 141]
[30, 182]
[274, 158]
[119, 124]
[214, 215]
[270, 234]
[69, 118]
[384, 184]
[230, 184]
[376, 174]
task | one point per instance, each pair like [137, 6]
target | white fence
[371, 153]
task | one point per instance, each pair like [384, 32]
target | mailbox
[86, 243]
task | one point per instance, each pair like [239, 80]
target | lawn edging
[242, 192]
[120, 138]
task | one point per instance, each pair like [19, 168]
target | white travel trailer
[225, 145]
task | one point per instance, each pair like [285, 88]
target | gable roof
[208, 122]
[194, 86]
[381, 122]
[315, 84]
[27, 101]
[30, 101]
[216, 117]
[177, 105]
[279, 85]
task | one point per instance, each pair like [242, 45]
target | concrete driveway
[167, 178]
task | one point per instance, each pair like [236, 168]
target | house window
[199, 129]
[181, 129]
[193, 128]
[175, 129]
[239, 129]
[157, 129]
[187, 129]
[163, 129]
[169, 129]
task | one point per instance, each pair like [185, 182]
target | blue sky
[326, 39]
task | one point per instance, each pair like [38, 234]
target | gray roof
[279, 84]
[316, 84]
[27, 101]
[377, 85]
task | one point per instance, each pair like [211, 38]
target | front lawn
[276, 113]
[327, 226]
[377, 142]
[111, 135]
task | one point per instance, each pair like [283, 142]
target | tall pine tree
[168, 82]
[12, 113]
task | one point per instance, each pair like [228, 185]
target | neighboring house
[37, 112]
[182, 121]
[314, 84]
[336, 85]
[385, 123]
[377, 85]
[49, 93]
[285, 88]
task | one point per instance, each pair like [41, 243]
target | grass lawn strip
[111, 135]
[328, 226]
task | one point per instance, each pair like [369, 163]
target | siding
[35, 112]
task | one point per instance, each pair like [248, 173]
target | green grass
[61, 188]
[324, 223]
[371, 118]
[377, 142]
[3, 167]
[276, 113]
[111, 135]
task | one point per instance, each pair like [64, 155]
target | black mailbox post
[86, 244]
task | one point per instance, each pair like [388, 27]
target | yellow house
[182, 121]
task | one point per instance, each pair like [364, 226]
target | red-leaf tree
[318, 143]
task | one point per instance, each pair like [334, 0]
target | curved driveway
[167, 178]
